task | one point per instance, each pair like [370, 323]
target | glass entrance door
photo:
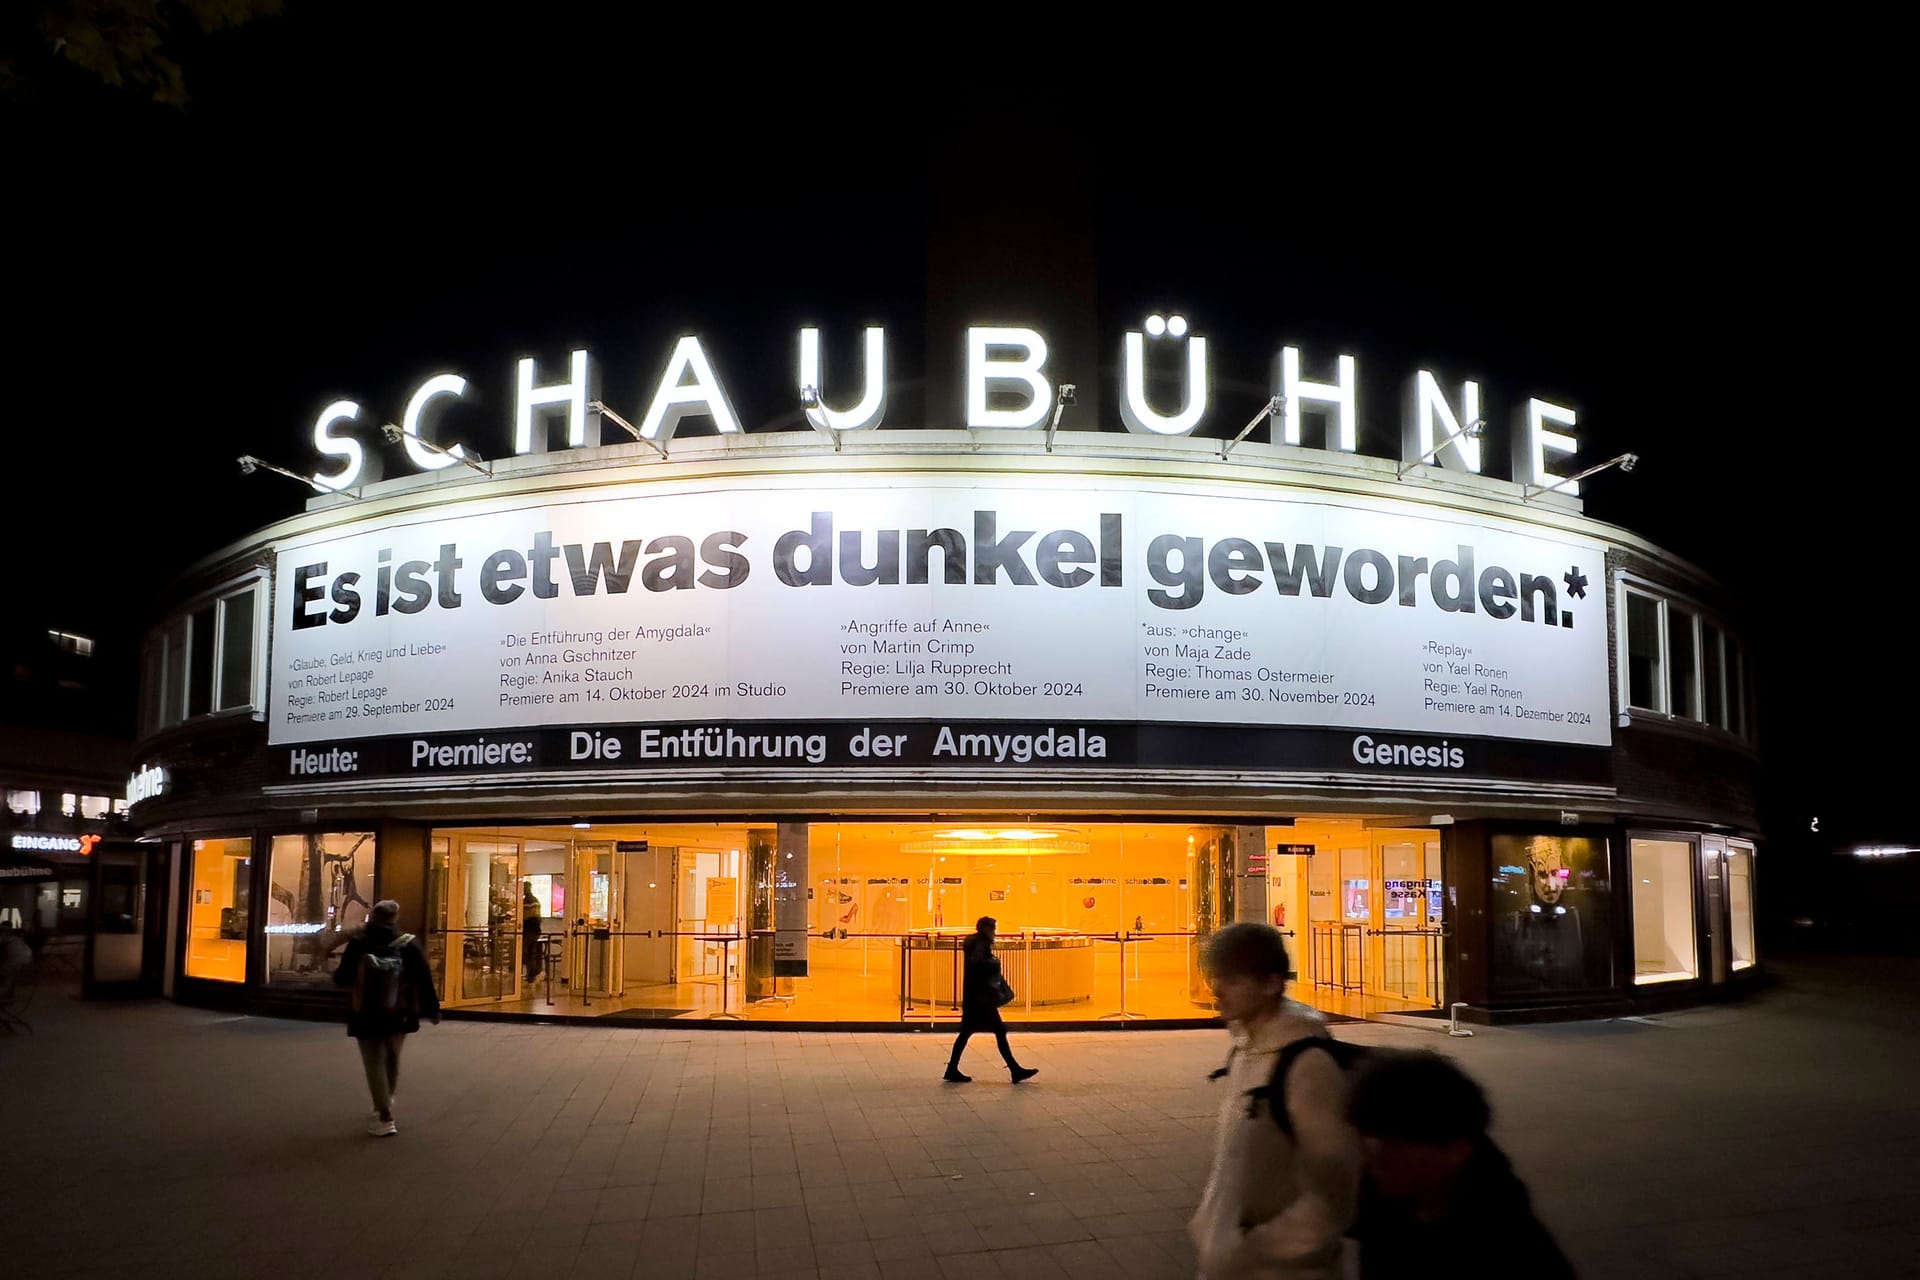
[1374, 903]
[483, 921]
[1406, 930]
[648, 910]
[600, 955]
[709, 892]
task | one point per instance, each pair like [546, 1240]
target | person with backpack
[1286, 1162]
[1434, 1178]
[983, 989]
[392, 987]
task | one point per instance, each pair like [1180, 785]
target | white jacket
[1276, 1209]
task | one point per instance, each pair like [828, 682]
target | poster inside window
[321, 891]
[1552, 915]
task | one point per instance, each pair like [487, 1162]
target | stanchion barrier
[1398, 939]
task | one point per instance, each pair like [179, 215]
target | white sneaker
[382, 1128]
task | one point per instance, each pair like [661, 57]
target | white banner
[942, 598]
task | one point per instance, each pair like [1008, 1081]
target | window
[23, 801]
[236, 651]
[69, 804]
[1644, 685]
[202, 662]
[75, 644]
[1676, 661]
[153, 684]
[321, 888]
[1713, 674]
[1740, 905]
[222, 878]
[1737, 690]
[95, 807]
[173, 676]
[1683, 666]
[1552, 908]
[1663, 939]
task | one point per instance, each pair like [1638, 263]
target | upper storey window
[1676, 660]
[205, 660]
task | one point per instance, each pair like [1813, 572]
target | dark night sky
[1682, 243]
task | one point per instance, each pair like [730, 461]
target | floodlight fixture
[250, 464]
[1062, 398]
[1273, 408]
[600, 407]
[809, 401]
[1626, 462]
[395, 435]
[1472, 431]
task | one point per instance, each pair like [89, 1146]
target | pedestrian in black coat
[983, 990]
[380, 1031]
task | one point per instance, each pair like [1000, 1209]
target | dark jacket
[416, 979]
[979, 1010]
[1491, 1212]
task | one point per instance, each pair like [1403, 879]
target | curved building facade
[753, 725]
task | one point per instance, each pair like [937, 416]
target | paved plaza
[1771, 1137]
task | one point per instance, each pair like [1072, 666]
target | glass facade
[861, 921]
[220, 877]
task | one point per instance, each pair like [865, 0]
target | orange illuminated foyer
[1097, 921]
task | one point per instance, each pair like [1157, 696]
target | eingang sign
[1091, 621]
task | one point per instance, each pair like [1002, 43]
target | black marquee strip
[794, 747]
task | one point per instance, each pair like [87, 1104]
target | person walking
[1280, 1196]
[1434, 1178]
[532, 953]
[984, 989]
[392, 988]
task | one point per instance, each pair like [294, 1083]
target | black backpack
[380, 986]
[1346, 1056]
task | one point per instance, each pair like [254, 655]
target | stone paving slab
[1780, 1136]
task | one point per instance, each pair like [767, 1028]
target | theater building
[701, 723]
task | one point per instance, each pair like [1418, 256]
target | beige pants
[381, 1057]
